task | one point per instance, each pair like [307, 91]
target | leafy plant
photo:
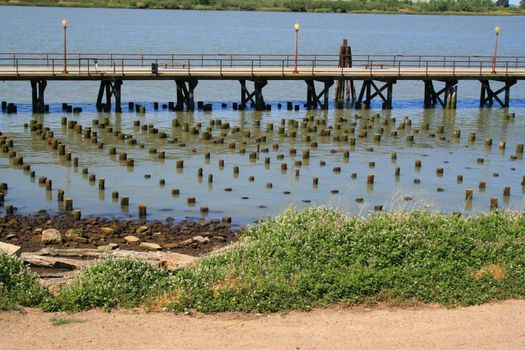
[316, 257]
[18, 285]
[109, 283]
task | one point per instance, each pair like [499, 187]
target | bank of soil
[491, 326]
[186, 237]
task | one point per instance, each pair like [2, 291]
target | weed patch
[18, 285]
[109, 283]
[319, 256]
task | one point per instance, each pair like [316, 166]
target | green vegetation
[340, 6]
[63, 321]
[18, 285]
[306, 259]
[318, 257]
[109, 283]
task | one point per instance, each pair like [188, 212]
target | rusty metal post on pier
[345, 89]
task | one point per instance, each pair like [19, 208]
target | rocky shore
[33, 233]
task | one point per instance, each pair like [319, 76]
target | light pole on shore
[497, 30]
[296, 26]
[64, 25]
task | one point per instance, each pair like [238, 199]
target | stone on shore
[131, 239]
[150, 246]
[106, 231]
[10, 249]
[51, 236]
[75, 235]
[142, 229]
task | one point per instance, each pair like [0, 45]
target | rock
[75, 235]
[51, 236]
[131, 239]
[200, 239]
[37, 231]
[142, 229]
[150, 246]
[106, 231]
[10, 249]
[186, 242]
[12, 222]
[219, 238]
[110, 246]
[157, 234]
[175, 261]
[170, 246]
[10, 235]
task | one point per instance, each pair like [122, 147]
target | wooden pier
[377, 73]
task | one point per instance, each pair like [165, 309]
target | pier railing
[122, 64]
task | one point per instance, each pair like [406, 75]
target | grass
[318, 257]
[307, 259]
[18, 285]
[107, 284]
[63, 321]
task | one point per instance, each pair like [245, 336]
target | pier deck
[377, 72]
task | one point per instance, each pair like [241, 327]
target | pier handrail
[219, 63]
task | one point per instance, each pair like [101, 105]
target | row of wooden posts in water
[48, 136]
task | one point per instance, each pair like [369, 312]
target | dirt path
[491, 326]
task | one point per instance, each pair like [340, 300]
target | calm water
[134, 31]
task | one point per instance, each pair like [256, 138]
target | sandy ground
[491, 326]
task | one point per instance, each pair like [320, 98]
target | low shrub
[111, 282]
[319, 256]
[18, 285]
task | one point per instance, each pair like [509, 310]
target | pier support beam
[256, 96]
[185, 94]
[108, 89]
[366, 96]
[313, 100]
[488, 96]
[446, 97]
[37, 88]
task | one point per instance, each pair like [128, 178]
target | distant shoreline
[140, 6]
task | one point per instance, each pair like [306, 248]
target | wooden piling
[68, 204]
[142, 210]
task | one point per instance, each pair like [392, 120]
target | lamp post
[497, 30]
[296, 26]
[64, 25]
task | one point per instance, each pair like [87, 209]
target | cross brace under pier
[488, 96]
[108, 89]
[38, 87]
[185, 94]
[256, 96]
[446, 97]
[366, 96]
[313, 100]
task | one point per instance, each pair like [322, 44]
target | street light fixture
[497, 30]
[64, 25]
[296, 26]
